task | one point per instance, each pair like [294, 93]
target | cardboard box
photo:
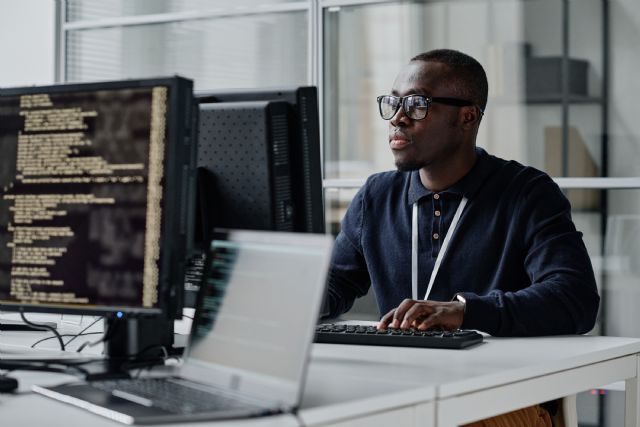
[580, 164]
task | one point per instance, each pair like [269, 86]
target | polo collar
[467, 186]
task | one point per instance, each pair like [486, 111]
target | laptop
[250, 339]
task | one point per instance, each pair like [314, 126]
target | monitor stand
[137, 339]
[18, 325]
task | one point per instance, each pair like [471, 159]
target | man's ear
[470, 116]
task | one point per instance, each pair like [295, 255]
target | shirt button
[436, 196]
[437, 213]
[436, 236]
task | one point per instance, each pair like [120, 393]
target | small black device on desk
[332, 333]
[7, 384]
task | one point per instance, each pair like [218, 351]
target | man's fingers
[386, 319]
[399, 315]
[416, 313]
[423, 315]
[428, 323]
[395, 317]
[447, 320]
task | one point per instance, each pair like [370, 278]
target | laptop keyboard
[170, 395]
[330, 333]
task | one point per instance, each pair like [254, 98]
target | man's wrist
[460, 298]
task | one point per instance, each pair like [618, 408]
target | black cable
[188, 317]
[136, 362]
[82, 331]
[89, 343]
[149, 348]
[42, 327]
[107, 335]
[63, 335]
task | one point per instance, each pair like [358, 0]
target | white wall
[27, 42]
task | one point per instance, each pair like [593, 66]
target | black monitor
[96, 196]
[259, 166]
[298, 107]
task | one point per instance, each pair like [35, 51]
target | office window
[81, 10]
[246, 51]
[520, 45]
[263, 46]
[620, 266]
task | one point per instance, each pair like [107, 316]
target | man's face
[436, 138]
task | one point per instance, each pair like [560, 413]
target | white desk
[359, 386]
[497, 376]
[343, 390]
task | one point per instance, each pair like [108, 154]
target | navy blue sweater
[515, 255]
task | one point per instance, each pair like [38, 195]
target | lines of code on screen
[81, 175]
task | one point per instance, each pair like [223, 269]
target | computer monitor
[304, 150]
[244, 148]
[96, 196]
[259, 166]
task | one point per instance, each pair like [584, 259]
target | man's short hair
[467, 75]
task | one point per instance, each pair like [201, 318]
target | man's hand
[424, 315]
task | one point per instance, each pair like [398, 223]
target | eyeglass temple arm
[455, 101]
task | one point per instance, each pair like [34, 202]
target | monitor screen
[96, 195]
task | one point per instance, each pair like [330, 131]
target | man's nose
[400, 118]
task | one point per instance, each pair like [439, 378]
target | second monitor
[280, 125]
[259, 166]
[245, 173]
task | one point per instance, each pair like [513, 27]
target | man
[457, 238]
[514, 264]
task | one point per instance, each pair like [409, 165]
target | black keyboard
[170, 395]
[330, 333]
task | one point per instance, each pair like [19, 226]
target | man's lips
[398, 142]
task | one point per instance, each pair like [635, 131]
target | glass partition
[242, 51]
[86, 10]
[543, 62]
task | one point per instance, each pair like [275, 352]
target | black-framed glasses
[415, 107]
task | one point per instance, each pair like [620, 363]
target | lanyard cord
[443, 249]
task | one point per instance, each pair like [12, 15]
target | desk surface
[494, 362]
[411, 375]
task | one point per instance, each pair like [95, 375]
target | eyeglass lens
[414, 106]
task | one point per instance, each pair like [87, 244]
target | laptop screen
[259, 302]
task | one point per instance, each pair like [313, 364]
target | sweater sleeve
[348, 274]
[562, 297]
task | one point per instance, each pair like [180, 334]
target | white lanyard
[443, 249]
